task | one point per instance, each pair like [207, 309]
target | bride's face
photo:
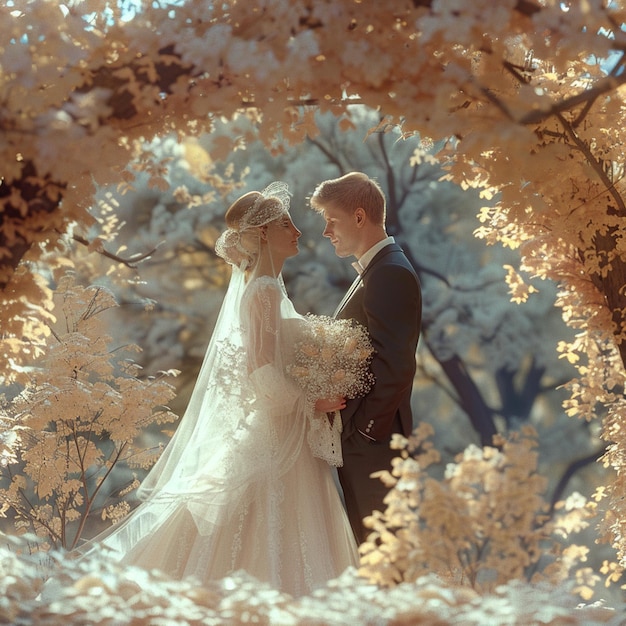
[282, 237]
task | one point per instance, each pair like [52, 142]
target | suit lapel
[353, 288]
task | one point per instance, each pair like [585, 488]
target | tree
[526, 94]
[83, 415]
[483, 359]
[485, 523]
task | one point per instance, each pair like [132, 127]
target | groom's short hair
[350, 192]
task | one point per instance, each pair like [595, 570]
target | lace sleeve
[261, 320]
[275, 336]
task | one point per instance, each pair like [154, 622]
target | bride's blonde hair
[249, 239]
[240, 243]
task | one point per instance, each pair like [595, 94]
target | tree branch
[572, 468]
[583, 114]
[602, 86]
[326, 152]
[130, 262]
[596, 166]
[470, 399]
[525, 7]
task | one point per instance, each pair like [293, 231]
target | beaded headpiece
[270, 205]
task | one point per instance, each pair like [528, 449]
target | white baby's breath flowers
[333, 359]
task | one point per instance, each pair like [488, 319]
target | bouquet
[333, 359]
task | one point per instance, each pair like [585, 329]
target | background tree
[83, 415]
[485, 524]
[476, 344]
[526, 94]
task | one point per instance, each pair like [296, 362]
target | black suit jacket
[388, 302]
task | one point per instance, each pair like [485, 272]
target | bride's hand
[329, 405]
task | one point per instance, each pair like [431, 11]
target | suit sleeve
[392, 305]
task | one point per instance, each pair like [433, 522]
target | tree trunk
[613, 286]
[471, 400]
[29, 209]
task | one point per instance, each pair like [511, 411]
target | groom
[386, 299]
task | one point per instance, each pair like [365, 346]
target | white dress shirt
[366, 259]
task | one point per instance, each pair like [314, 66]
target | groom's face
[342, 230]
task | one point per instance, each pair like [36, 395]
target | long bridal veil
[244, 424]
[240, 485]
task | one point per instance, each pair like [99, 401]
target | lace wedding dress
[239, 486]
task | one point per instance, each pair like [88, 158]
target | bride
[245, 483]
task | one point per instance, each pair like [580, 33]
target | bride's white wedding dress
[239, 487]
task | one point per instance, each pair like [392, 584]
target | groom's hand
[330, 405]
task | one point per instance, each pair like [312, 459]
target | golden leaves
[518, 288]
[567, 351]
[78, 419]
[523, 90]
[95, 588]
[484, 524]
[612, 571]
[26, 304]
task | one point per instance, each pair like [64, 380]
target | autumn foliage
[81, 417]
[485, 524]
[527, 96]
